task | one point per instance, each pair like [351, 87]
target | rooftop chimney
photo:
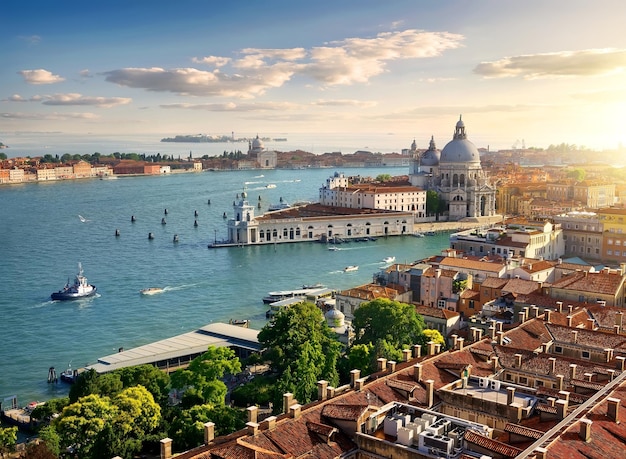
[392, 366]
[534, 311]
[455, 340]
[518, 360]
[500, 338]
[612, 410]
[354, 375]
[382, 364]
[619, 316]
[616, 328]
[559, 382]
[619, 362]
[271, 422]
[253, 428]
[521, 316]
[253, 412]
[572, 370]
[287, 401]
[510, 395]
[209, 432]
[591, 323]
[585, 430]
[322, 386]
[561, 408]
[460, 343]
[559, 306]
[552, 363]
[417, 351]
[431, 347]
[569, 321]
[406, 355]
[166, 448]
[294, 410]
[417, 372]
[358, 384]
[492, 332]
[494, 363]
[548, 316]
[430, 390]
[570, 308]
[575, 336]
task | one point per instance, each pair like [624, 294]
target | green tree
[359, 357]
[202, 378]
[433, 203]
[187, 428]
[81, 423]
[577, 174]
[8, 439]
[86, 384]
[383, 177]
[299, 339]
[433, 335]
[3, 156]
[384, 319]
[138, 414]
[51, 438]
[156, 381]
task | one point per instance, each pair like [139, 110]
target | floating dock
[173, 353]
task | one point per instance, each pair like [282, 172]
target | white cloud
[345, 103]
[49, 116]
[85, 73]
[16, 98]
[346, 62]
[78, 99]
[233, 107]
[587, 62]
[215, 61]
[40, 76]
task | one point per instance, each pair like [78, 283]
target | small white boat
[418, 234]
[151, 291]
[270, 185]
[333, 248]
[350, 268]
[389, 259]
[80, 289]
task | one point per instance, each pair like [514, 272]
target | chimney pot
[430, 390]
[552, 362]
[559, 306]
[382, 364]
[287, 401]
[271, 422]
[619, 362]
[209, 432]
[518, 360]
[585, 430]
[392, 366]
[406, 355]
[559, 382]
[252, 413]
[166, 448]
[417, 351]
[561, 408]
[510, 395]
[417, 372]
[572, 370]
[322, 386]
[294, 410]
[354, 375]
[613, 409]
[460, 343]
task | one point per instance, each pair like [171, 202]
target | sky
[529, 73]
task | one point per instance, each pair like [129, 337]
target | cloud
[32, 39]
[588, 62]
[85, 73]
[48, 116]
[215, 61]
[233, 107]
[345, 62]
[78, 99]
[40, 76]
[345, 103]
[73, 99]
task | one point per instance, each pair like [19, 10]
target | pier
[177, 352]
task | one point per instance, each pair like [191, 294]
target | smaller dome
[335, 314]
[431, 156]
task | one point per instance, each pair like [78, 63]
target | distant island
[205, 138]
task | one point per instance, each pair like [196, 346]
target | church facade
[456, 174]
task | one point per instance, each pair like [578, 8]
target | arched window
[455, 180]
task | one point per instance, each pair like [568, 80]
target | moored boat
[389, 259]
[151, 291]
[79, 289]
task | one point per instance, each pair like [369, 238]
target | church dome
[257, 144]
[334, 318]
[431, 156]
[459, 149]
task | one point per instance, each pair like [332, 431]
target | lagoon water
[42, 239]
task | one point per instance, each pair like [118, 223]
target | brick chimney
[253, 412]
[569, 321]
[570, 308]
[500, 338]
[253, 428]
[521, 317]
[382, 364]
[492, 332]
[287, 401]
[359, 384]
[572, 370]
[619, 362]
[209, 432]
[294, 410]
[455, 340]
[612, 409]
[460, 343]
[540, 453]
[575, 336]
[166, 448]
[515, 412]
[611, 373]
[518, 360]
[561, 408]
[417, 372]
[585, 430]
[322, 386]
[392, 366]
[271, 422]
[354, 375]
[559, 382]
[591, 323]
[510, 395]
[330, 392]
[430, 391]
[431, 347]
[548, 316]
[494, 363]
[552, 365]
[564, 395]
[406, 355]
[619, 316]
[526, 315]
[559, 306]
[616, 329]
[417, 351]
[534, 311]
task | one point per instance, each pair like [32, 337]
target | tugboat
[80, 289]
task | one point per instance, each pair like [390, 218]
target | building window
[586, 355]
[523, 380]
[558, 350]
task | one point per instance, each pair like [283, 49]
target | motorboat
[69, 375]
[270, 185]
[418, 234]
[350, 268]
[333, 248]
[389, 259]
[79, 289]
[151, 291]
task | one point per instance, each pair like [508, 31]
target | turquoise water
[43, 239]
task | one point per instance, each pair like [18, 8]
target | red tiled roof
[524, 431]
[491, 445]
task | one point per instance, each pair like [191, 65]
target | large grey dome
[459, 149]
[431, 156]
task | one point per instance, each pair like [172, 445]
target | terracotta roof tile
[502, 449]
